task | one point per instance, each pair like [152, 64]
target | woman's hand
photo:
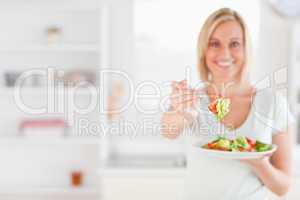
[174, 121]
[259, 163]
[275, 172]
[182, 113]
[182, 97]
[184, 100]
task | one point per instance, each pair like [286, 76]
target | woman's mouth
[225, 64]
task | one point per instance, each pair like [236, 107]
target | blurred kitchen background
[49, 150]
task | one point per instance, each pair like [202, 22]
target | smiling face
[225, 55]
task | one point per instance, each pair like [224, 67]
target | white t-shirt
[220, 179]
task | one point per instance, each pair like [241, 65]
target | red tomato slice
[213, 107]
[210, 145]
[251, 142]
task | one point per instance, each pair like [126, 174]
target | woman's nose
[225, 53]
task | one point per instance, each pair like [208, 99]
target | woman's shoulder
[266, 94]
[269, 98]
[270, 94]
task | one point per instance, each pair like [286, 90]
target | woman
[224, 54]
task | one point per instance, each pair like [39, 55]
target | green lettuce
[260, 146]
[222, 108]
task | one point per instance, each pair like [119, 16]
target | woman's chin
[224, 76]
[224, 67]
[224, 71]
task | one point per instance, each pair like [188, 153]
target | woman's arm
[276, 172]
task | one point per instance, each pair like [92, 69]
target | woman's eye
[234, 44]
[214, 44]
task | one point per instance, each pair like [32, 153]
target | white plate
[234, 155]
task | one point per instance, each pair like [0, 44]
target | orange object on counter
[76, 177]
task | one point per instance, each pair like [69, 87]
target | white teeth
[224, 63]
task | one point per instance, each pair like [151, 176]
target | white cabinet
[43, 166]
[142, 186]
[146, 188]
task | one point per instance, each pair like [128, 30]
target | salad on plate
[239, 144]
[239, 148]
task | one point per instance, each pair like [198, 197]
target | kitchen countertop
[173, 172]
[144, 165]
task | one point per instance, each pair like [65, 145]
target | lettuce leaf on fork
[222, 108]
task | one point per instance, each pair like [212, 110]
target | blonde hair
[220, 16]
